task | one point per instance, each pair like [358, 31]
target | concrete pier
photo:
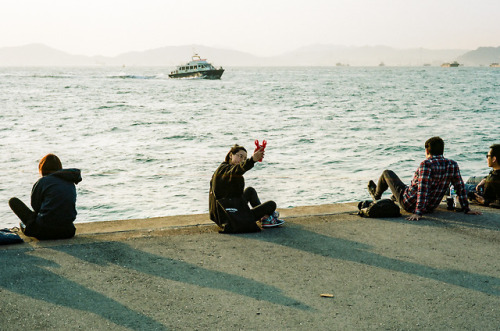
[179, 273]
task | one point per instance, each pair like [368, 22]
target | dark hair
[435, 146]
[50, 163]
[495, 151]
[235, 149]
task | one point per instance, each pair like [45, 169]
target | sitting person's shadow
[30, 276]
[297, 237]
[39, 282]
[106, 253]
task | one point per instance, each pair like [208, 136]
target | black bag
[235, 216]
[378, 209]
[8, 237]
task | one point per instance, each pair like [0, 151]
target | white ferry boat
[197, 68]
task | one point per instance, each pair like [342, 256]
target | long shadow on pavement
[27, 275]
[297, 237]
[121, 254]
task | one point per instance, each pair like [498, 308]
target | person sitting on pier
[53, 199]
[430, 183]
[229, 199]
[489, 187]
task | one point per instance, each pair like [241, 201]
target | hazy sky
[260, 27]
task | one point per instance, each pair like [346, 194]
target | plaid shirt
[429, 185]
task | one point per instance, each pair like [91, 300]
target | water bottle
[456, 202]
[450, 201]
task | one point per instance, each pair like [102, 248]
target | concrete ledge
[157, 226]
[180, 221]
[196, 223]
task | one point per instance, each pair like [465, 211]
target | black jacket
[492, 188]
[226, 191]
[53, 199]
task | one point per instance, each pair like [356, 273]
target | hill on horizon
[312, 55]
[482, 56]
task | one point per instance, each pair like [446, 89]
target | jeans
[389, 179]
[258, 209]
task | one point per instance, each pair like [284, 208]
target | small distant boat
[197, 68]
[495, 65]
[381, 64]
[454, 64]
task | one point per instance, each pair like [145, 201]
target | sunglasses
[488, 155]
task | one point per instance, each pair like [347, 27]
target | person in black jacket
[53, 199]
[490, 186]
[228, 198]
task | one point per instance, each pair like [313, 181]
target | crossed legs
[259, 209]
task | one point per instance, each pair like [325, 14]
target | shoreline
[193, 223]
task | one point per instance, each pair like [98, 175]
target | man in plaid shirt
[429, 184]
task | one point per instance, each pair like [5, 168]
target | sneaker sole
[273, 225]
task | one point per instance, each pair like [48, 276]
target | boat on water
[454, 64]
[495, 65]
[197, 68]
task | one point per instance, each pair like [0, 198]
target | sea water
[147, 145]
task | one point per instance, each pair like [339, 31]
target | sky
[259, 27]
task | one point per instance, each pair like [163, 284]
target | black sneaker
[372, 187]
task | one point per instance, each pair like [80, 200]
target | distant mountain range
[481, 56]
[313, 55]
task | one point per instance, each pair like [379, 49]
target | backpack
[378, 209]
[8, 237]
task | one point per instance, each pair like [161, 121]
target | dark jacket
[53, 199]
[226, 193]
[492, 188]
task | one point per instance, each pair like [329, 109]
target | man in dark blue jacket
[53, 199]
